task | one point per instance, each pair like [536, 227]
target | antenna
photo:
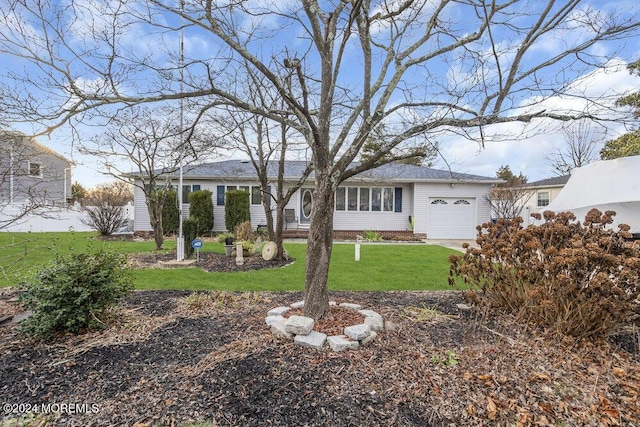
[180, 240]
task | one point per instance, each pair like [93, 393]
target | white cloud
[525, 148]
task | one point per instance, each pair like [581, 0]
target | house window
[364, 199]
[461, 202]
[352, 196]
[255, 193]
[388, 200]
[35, 169]
[340, 194]
[376, 199]
[543, 198]
[438, 202]
[186, 190]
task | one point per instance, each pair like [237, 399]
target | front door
[306, 202]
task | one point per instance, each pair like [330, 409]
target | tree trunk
[155, 215]
[277, 233]
[319, 245]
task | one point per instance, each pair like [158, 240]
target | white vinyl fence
[50, 219]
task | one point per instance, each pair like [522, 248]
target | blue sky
[523, 148]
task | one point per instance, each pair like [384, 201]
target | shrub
[104, 207]
[372, 236]
[190, 232]
[578, 279]
[201, 210]
[75, 292]
[222, 237]
[170, 213]
[244, 231]
[236, 209]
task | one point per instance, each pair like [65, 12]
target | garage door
[451, 218]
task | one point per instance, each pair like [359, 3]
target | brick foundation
[390, 235]
[405, 235]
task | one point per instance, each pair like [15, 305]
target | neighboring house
[443, 205]
[31, 172]
[606, 185]
[543, 192]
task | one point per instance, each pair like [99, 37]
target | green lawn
[381, 267]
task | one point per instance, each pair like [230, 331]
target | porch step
[300, 233]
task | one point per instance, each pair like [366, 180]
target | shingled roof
[398, 172]
[556, 181]
[16, 136]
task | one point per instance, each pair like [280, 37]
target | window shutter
[398, 202]
[220, 201]
[269, 193]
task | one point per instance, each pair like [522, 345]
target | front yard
[188, 349]
[381, 267]
[177, 358]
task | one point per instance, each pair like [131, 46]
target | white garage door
[451, 218]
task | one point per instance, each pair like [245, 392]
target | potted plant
[228, 245]
[228, 239]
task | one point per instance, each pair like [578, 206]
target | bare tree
[507, 199]
[353, 65]
[417, 154]
[150, 140]
[105, 205]
[581, 145]
[267, 144]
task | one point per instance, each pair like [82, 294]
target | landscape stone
[299, 325]
[278, 311]
[332, 303]
[351, 306]
[298, 304]
[463, 307]
[279, 330]
[358, 332]
[375, 323]
[369, 313]
[341, 343]
[369, 339]
[270, 320]
[314, 339]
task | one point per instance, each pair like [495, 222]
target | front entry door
[306, 202]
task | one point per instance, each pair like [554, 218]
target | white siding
[368, 220]
[415, 198]
[424, 191]
[140, 211]
[258, 216]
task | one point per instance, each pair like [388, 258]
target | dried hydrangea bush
[578, 278]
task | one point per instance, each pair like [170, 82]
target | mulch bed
[175, 357]
[208, 261]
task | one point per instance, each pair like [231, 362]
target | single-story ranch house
[443, 204]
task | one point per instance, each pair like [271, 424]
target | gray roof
[18, 137]
[239, 169]
[556, 181]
